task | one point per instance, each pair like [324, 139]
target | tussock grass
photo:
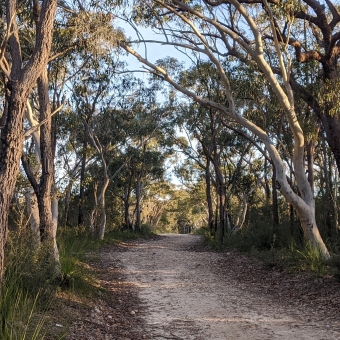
[274, 248]
[25, 292]
[30, 289]
[309, 257]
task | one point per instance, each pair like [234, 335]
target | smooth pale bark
[156, 213]
[243, 208]
[21, 79]
[31, 198]
[82, 177]
[304, 205]
[94, 210]
[43, 148]
[55, 215]
[33, 213]
[242, 215]
[102, 205]
[106, 182]
[138, 202]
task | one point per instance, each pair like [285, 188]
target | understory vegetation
[32, 292]
[279, 249]
[229, 127]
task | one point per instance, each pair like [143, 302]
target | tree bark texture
[20, 84]
[275, 205]
[101, 199]
[138, 202]
[33, 213]
[209, 198]
[82, 177]
[304, 205]
[47, 161]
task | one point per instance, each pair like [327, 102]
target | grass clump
[275, 247]
[309, 257]
[73, 245]
[25, 291]
[31, 293]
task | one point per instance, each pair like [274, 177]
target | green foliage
[29, 287]
[329, 97]
[17, 310]
[310, 257]
[117, 235]
[26, 290]
[74, 244]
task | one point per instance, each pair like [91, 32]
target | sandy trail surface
[184, 294]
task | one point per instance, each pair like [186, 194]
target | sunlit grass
[30, 289]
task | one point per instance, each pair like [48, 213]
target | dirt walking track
[184, 292]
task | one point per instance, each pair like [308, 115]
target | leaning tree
[211, 32]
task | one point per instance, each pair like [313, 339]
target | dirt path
[187, 294]
[170, 287]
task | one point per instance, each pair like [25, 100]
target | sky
[153, 52]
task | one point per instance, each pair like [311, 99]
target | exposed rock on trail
[169, 288]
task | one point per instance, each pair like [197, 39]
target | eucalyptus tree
[207, 30]
[90, 95]
[44, 147]
[158, 200]
[21, 69]
[145, 154]
[311, 30]
[51, 84]
[220, 151]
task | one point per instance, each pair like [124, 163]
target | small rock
[109, 316]
[132, 312]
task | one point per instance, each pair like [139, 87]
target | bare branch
[34, 128]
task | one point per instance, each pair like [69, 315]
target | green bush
[310, 257]
[25, 292]
[30, 283]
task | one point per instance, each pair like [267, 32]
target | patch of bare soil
[170, 288]
[117, 314]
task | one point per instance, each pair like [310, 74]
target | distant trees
[203, 28]
[247, 119]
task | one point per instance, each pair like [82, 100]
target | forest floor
[171, 287]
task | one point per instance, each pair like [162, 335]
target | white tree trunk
[31, 198]
[242, 215]
[102, 206]
[55, 214]
[106, 182]
[33, 212]
[304, 205]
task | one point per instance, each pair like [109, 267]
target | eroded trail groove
[186, 294]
